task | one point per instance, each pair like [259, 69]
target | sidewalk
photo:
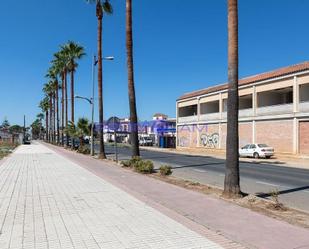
[48, 201]
[231, 221]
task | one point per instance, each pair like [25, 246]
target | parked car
[145, 141]
[256, 151]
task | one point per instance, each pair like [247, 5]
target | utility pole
[92, 104]
[24, 130]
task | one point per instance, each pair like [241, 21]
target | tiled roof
[248, 80]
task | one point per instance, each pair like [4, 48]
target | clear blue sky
[179, 46]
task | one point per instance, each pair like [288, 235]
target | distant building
[273, 109]
[161, 129]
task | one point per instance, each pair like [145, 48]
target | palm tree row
[63, 63]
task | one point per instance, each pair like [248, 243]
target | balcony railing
[187, 119]
[210, 116]
[246, 113]
[275, 110]
[304, 106]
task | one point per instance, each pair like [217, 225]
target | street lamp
[108, 58]
[91, 100]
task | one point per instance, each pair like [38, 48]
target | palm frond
[107, 7]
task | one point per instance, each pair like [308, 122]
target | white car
[256, 151]
[145, 141]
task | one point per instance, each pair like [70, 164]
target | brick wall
[209, 136]
[304, 137]
[278, 134]
[187, 136]
[245, 134]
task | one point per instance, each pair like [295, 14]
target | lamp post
[91, 100]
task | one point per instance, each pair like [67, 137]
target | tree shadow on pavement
[282, 192]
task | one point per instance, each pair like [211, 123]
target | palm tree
[101, 8]
[44, 105]
[74, 52]
[131, 88]
[53, 76]
[49, 89]
[231, 182]
[80, 130]
[40, 117]
[60, 62]
[83, 129]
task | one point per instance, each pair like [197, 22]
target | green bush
[165, 170]
[131, 163]
[145, 167]
[141, 166]
[84, 150]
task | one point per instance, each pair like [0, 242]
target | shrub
[131, 163]
[145, 167]
[84, 150]
[165, 170]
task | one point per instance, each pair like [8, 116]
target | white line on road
[266, 183]
[200, 170]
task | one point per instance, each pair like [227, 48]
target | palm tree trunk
[100, 83]
[50, 118]
[54, 117]
[62, 110]
[231, 182]
[131, 88]
[46, 124]
[72, 99]
[66, 105]
[57, 111]
[72, 96]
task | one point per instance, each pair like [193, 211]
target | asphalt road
[258, 178]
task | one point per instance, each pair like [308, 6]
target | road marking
[266, 183]
[200, 170]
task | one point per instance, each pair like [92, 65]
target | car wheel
[268, 157]
[256, 155]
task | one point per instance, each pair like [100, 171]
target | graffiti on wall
[183, 142]
[210, 140]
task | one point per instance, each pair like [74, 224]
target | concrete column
[198, 124]
[198, 108]
[220, 105]
[177, 144]
[295, 136]
[295, 95]
[254, 101]
[253, 132]
[220, 134]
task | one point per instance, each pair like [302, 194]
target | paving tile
[48, 201]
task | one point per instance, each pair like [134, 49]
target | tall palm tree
[60, 62]
[131, 88]
[73, 52]
[53, 76]
[101, 8]
[231, 182]
[44, 105]
[49, 89]
[40, 117]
